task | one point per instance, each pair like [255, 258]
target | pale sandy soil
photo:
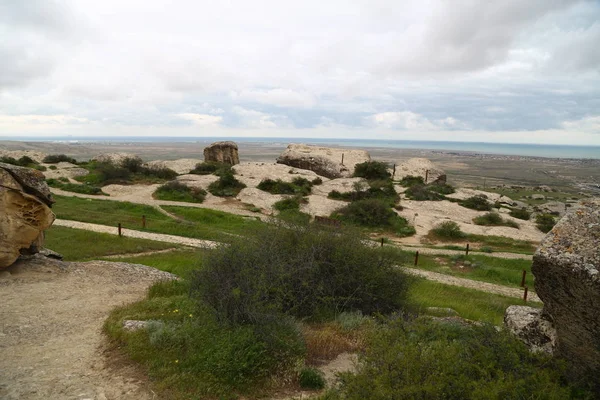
[51, 330]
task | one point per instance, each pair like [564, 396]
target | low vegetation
[545, 222]
[448, 230]
[24, 161]
[520, 213]
[410, 180]
[56, 158]
[380, 189]
[372, 170]
[477, 203]
[374, 213]
[494, 219]
[130, 170]
[64, 184]
[177, 191]
[226, 186]
[290, 203]
[298, 186]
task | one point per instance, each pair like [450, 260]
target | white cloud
[584, 125]
[277, 97]
[407, 120]
[16, 120]
[201, 119]
[253, 119]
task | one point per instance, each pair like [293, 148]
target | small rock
[132, 325]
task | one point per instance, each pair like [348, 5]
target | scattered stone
[132, 325]
[25, 201]
[566, 267]
[325, 161]
[538, 197]
[223, 152]
[422, 167]
[51, 254]
[532, 327]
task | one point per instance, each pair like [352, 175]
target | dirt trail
[471, 284]
[56, 349]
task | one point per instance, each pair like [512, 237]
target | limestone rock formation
[25, 213]
[223, 152]
[181, 166]
[420, 167]
[115, 158]
[532, 327]
[325, 161]
[566, 267]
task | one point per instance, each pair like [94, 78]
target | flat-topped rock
[566, 267]
[422, 167]
[325, 161]
[223, 152]
[181, 166]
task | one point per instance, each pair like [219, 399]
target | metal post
[144, 221]
[467, 250]
[525, 294]
[120, 233]
[417, 258]
[523, 278]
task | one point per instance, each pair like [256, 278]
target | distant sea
[512, 149]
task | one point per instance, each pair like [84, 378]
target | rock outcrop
[181, 166]
[223, 152]
[116, 158]
[566, 267]
[325, 161]
[532, 327]
[25, 213]
[420, 167]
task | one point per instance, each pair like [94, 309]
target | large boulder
[566, 267]
[532, 327]
[25, 202]
[422, 167]
[325, 161]
[116, 158]
[223, 152]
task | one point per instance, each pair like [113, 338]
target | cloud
[586, 125]
[201, 119]
[253, 119]
[276, 97]
[41, 120]
[407, 120]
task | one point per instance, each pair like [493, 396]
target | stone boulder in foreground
[325, 161]
[25, 202]
[566, 267]
[223, 152]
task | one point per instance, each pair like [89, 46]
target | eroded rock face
[532, 327]
[25, 213]
[223, 152]
[116, 158]
[567, 279]
[422, 167]
[325, 161]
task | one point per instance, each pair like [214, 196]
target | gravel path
[161, 237]
[471, 284]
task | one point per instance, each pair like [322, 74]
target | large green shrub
[411, 180]
[545, 222]
[427, 359]
[372, 170]
[379, 189]
[56, 158]
[226, 186]
[303, 270]
[448, 230]
[177, 191]
[423, 193]
[299, 186]
[478, 203]
[374, 213]
[520, 213]
[494, 219]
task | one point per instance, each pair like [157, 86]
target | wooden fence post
[119, 228]
[525, 294]
[342, 158]
[381, 242]
[523, 278]
[426, 175]
[467, 250]
[144, 221]
[417, 258]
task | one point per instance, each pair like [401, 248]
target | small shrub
[207, 168]
[372, 170]
[63, 184]
[56, 158]
[545, 222]
[422, 193]
[411, 180]
[486, 249]
[311, 378]
[299, 186]
[177, 191]
[160, 173]
[520, 214]
[448, 230]
[441, 188]
[24, 161]
[53, 167]
[226, 186]
[476, 203]
[317, 181]
[132, 164]
[494, 219]
[291, 203]
[374, 213]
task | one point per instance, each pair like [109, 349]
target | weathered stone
[25, 213]
[567, 279]
[420, 167]
[116, 158]
[223, 152]
[532, 327]
[133, 325]
[325, 161]
[181, 166]
[538, 197]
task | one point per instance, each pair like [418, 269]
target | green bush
[378, 189]
[226, 186]
[300, 186]
[476, 203]
[520, 214]
[374, 213]
[494, 219]
[56, 158]
[177, 191]
[545, 222]
[427, 359]
[411, 180]
[317, 181]
[74, 187]
[448, 230]
[302, 270]
[423, 193]
[24, 161]
[160, 173]
[207, 168]
[371, 170]
[53, 167]
[290, 203]
[441, 188]
[311, 378]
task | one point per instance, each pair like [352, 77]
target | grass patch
[226, 185]
[374, 213]
[469, 303]
[448, 230]
[81, 245]
[494, 219]
[75, 187]
[179, 262]
[200, 223]
[129, 171]
[520, 213]
[290, 203]
[177, 191]
[298, 186]
[211, 167]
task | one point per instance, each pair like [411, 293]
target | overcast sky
[474, 70]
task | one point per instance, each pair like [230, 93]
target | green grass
[179, 262]
[501, 271]
[200, 223]
[80, 245]
[469, 303]
[503, 244]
